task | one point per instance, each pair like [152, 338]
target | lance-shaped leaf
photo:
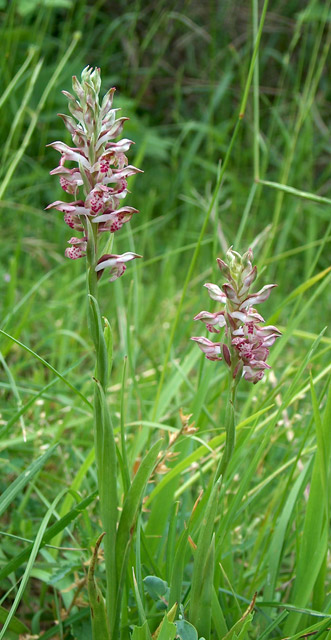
[26, 476]
[202, 620]
[133, 501]
[107, 480]
[100, 628]
[238, 631]
[202, 553]
[49, 535]
[141, 633]
[30, 564]
[102, 368]
[15, 625]
[167, 629]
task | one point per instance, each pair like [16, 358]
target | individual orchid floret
[212, 350]
[116, 263]
[98, 182]
[213, 321]
[246, 341]
[78, 248]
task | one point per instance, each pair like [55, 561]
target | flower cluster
[247, 341]
[98, 183]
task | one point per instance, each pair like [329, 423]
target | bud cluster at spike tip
[247, 341]
[98, 183]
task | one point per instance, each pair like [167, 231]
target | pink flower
[212, 350]
[213, 321]
[113, 220]
[78, 249]
[116, 263]
[247, 340]
[99, 181]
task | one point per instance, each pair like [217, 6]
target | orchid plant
[98, 185]
[245, 348]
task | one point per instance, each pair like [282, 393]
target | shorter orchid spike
[247, 341]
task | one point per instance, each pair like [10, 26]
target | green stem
[105, 446]
[230, 431]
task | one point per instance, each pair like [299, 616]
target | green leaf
[108, 335]
[132, 502]
[304, 286]
[15, 625]
[278, 538]
[155, 587]
[217, 615]
[141, 633]
[107, 479]
[167, 630]
[100, 628]
[202, 556]
[203, 613]
[240, 627]
[312, 555]
[306, 195]
[16, 487]
[49, 366]
[185, 630]
[81, 630]
[56, 528]
[102, 370]
[34, 552]
[176, 581]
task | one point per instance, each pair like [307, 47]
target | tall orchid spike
[98, 183]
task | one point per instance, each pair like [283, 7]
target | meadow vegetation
[228, 107]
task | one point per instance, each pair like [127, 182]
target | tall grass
[233, 153]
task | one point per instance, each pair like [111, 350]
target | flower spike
[98, 183]
[247, 341]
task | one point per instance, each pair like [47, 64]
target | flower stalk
[98, 184]
[245, 347]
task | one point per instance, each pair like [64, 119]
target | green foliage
[184, 73]
[99, 621]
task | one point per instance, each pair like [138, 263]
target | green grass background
[180, 69]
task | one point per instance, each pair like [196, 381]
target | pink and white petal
[109, 133]
[107, 102]
[117, 271]
[211, 319]
[78, 248]
[230, 293]
[252, 375]
[119, 174]
[122, 146]
[212, 350]
[215, 292]
[74, 253]
[112, 259]
[256, 298]
[110, 215]
[268, 330]
[248, 281]
[73, 221]
[70, 153]
[65, 207]
[69, 123]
